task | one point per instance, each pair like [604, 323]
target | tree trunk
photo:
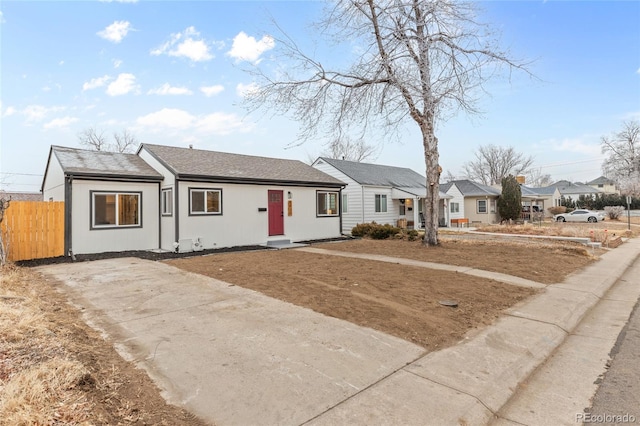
[431, 203]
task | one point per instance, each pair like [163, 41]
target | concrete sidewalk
[234, 356]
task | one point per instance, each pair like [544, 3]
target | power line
[21, 174]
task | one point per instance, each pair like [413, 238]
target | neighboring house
[473, 201]
[542, 197]
[187, 199]
[21, 196]
[379, 193]
[573, 190]
[605, 185]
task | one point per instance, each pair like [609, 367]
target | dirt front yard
[55, 369]
[400, 300]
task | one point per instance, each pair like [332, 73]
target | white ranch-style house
[379, 193]
[185, 199]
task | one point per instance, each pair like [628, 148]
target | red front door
[276, 213]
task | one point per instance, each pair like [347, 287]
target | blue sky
[172, 73]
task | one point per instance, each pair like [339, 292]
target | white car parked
[579, 215]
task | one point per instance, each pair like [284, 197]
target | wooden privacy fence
[33, 229]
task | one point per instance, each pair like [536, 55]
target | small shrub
[375, 231]
[557, 210]
[382, 232]
[614, 212]
[412, 235]
[362, 229]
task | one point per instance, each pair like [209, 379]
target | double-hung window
[205, 201]
[327, 203]
[115, 209]
[381, 203]
[455, 207]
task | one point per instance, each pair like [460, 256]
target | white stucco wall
[242, 224]
[53, 185]
[168, 223]
[87, 240]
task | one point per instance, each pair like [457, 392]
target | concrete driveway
[228, 354]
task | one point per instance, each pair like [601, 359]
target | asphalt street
[617, 400]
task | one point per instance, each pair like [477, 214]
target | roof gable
[378, 175]
[203, 164]
[469, 188]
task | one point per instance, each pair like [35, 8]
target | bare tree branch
[418, 61]
[623, 161]
[493, 163]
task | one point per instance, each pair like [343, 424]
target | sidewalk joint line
[419, 357]
[537, 320]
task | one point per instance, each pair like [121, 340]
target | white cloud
[116, 31]
[94, 83]
[125, 83]
[212, 90]
[220, 123]
[9, 111]
[117, 63]
[2, 20]
[187, 44]
[243, 90]
[579, 145]
[58, 123]
[46, 89]
[171, 119]
[167, 89]
[167, 118]
[119, 1]
[61, 63]
[638, 72]
[247, 48]
[39, 112]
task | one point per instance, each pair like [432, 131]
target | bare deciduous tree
[95, 139]
[125, 141]
[493, 163]
[623, 161]
[347, 149]
[535, 178]
[4, 249]
[417, 60]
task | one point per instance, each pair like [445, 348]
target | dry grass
[599, 232]
[38, 382]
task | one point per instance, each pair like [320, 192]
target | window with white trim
[167, 202]
[115, 209]
[381, 203]
[345, 204]
[205, 201]
[455, 207]
[327, 203]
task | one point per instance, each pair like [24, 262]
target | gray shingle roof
[21, 196]
[187, 162]
[566, 187]
[601, 181]
[103, 164]
[471, 189]
[378, 175]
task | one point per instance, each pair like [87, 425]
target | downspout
[340, 225]
[160, 215]
[177, 210]
[68, 250]
[362, 201]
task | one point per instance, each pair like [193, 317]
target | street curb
[469, 383]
